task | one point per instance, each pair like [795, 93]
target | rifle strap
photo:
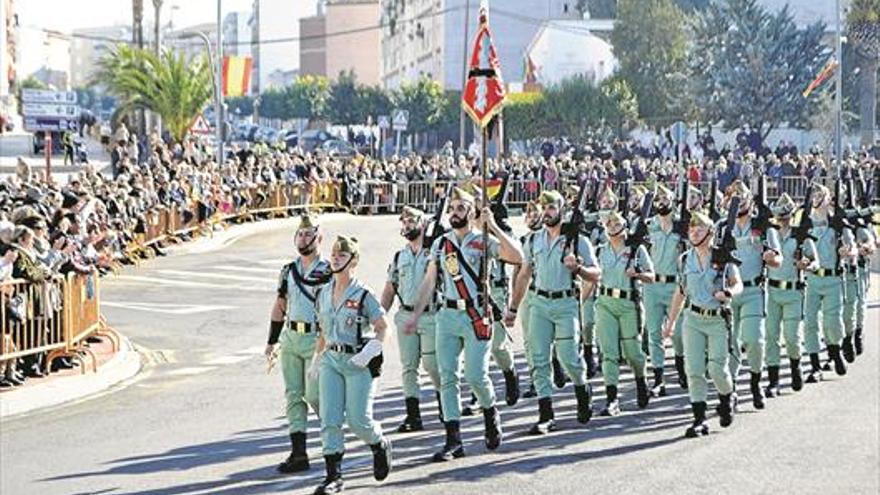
[482, 328]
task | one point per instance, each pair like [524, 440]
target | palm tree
[864, 32]
[169, 84]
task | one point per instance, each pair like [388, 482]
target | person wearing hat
[867, 241]
[607, 202]
[534, 225]
[667, 247]
[756, 250]
[785, 298]
[825, 286]
[462, 322]
[707, 288]
[405, 274]
[293, 335]
[551, 269]
[856, 283]
[348, 358]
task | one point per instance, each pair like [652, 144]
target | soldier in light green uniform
[855, 286]
[619, 310]
[867, 245]
[348, 358]
[588, 302]
[462, 323]
[533, 222]
[785, 298]
[825, 287]
[293, 330]
[405, 275]
[754, 249]
[551, 270]
[667, 246]
[500, 338]
[707, 288]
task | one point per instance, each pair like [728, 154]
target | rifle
[591, 206]
[723, 253]
[761, 221]
[499, 206]
[802, 231]
[572, 228]
[436, 229]
[838, 221]
[714, 215]
[639, 236]
[865, 192]
[682, 225]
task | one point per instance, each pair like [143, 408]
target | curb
[124, 365]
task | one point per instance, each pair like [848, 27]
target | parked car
[338, 148]
[313, 139]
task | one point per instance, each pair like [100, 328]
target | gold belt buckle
[300, 327]
[615, 292]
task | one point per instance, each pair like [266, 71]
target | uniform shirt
[826, 242]
[300, 307]
[750, 249]
[544, 257]
[408, 273]
[788, 271]
[665, 248]
[701, 282]
[864, 236]
[614, 265]
[339, 323]
[471, 247]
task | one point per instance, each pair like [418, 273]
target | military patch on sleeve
[352, 304]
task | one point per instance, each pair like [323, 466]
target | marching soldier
[707, 288]
[619, 310]
[856, 287]
[588, 300]
[666, 248]
[533, 222]
[456, 258]
[404, 278]
[348, 358]
[293, 330]
[754, 249]
[825, 287]
[551, 270]
[867, 244]
[785, 298]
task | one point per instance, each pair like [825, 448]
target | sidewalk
[72, 384]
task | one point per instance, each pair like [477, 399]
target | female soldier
[619, 309]
[348, 358]
[708, 289]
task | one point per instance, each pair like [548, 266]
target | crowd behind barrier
[57, 240]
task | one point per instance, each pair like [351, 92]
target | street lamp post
[215, 82]
[838, 97]
[218, 68]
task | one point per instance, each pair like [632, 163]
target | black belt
[428, 309]
[499, 284]
[828, 272]
[665, 279]
[863, 262]
[617, 293]
[753, 283]
[407, 307]
[343, 348]
[705, 312]
[462, 304]
[301, 326]
[555, 294]
[785, 284]
[852, 270]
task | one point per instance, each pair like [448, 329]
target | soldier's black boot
[333, 482]
[298, 460]
[546, 420]
[658, 388]
[797, 379]
[584, 395]
[590, 360]
[381, 459]
[859, 345]
[682, 375]
[757, 394]
[511, 386]
[439, 407]
[642, 394]
[492, 426]
[558, 374]
[699, 427]
[530, 392]
[815, 374]
[849, 353]
[468, 409]
[413, 420]
[612, 406]
[834, 354]
[772, 389]
[725, 409]
[452, 449]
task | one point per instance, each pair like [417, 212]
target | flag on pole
[821, 77]
[236, 75]
[483, 93]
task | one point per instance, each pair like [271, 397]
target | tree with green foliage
[750, 66]
[863, 29]
[240, 105]
[169, 84]
[651, 46]
[342, 100]
[424, 99]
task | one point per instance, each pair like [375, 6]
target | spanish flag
[236, 75]
[493, 187]
[822, 76]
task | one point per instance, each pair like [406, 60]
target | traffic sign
[30, 109]
[679, 132]
[29, 95]
[400, 119]
[200, 126]
[384, 122]
[34, 124]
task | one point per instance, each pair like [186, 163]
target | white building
[88, 46]
[276, 45]
[563, 49]
[237, 34]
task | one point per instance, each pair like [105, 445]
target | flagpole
[464, 72]
[838, 97]
[484, 266]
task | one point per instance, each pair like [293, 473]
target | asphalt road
[204, 416]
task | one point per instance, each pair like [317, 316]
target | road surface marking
[221, 276]
[167, 308]
[192, 370]
[226, 360]
[185, 283]
[272, 271]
